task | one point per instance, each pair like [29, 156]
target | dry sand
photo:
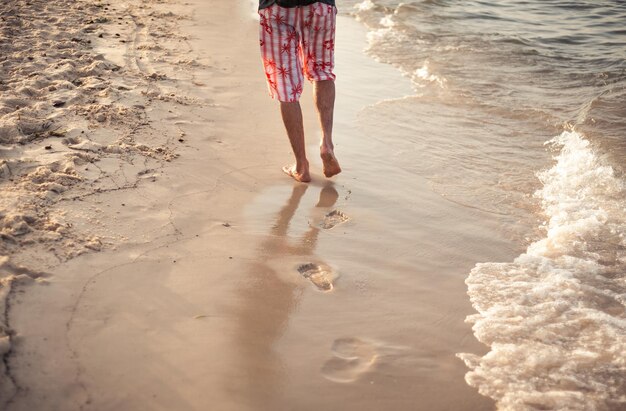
[73, 125]
[217, 283]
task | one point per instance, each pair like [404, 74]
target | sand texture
[73, 126]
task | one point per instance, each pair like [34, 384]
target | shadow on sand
[271, 293]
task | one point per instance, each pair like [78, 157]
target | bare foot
[331, 165]
[293, 172]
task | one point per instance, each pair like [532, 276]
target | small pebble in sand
[48, 147]
[226, 224]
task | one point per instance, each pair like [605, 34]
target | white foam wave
[365, 5]
[423, 74]
[388, 42]
[377, 39]
[555, 317]
[387, 21]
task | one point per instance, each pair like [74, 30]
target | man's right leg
[292, 117]
[279, 49]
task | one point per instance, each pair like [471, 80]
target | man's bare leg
[324, 96]
[292, 117]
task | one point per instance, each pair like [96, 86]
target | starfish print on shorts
[285, 48]
[321, 65]
[297, 90]
[291, 36]
[284, 71]
[269, 63]
[279, 19]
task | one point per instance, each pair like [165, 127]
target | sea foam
[555, 317]
[389, 39]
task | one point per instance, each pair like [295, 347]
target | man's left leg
[324, 96]
[318, 55]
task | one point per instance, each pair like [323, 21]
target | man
[297, 39]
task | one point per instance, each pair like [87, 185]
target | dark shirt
[292, 3]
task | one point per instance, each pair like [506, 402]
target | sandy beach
[153, 256]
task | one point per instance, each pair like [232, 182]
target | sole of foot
[331, 165]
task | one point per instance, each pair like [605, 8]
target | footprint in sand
[351, 358]
[333, 218]
[321, 276]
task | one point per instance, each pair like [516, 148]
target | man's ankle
[302, 165]
[326, 146]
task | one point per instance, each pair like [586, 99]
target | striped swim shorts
[297, 42]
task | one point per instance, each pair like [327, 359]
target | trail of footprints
[351, 357]
[321, 275]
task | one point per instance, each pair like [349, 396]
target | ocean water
[518, 109]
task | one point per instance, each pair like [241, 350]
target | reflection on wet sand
[268, 298]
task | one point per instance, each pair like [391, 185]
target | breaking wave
[555, 317]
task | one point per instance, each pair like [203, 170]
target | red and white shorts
[297, 42]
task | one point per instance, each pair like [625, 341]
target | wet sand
[237, 289]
